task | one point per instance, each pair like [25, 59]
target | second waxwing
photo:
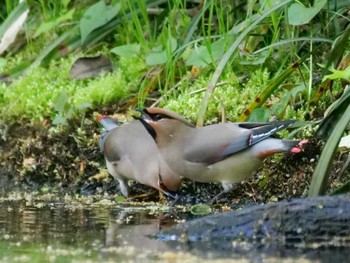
[227, 153]
[132, 154]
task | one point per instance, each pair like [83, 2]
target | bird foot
[216, 198]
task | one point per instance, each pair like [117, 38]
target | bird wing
[213, 143]
[111, 146]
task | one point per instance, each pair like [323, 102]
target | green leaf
[161, 54]
[61, 102]
[96, 16]
[84, 106]
[127, 51]
[338, 74]
[321, 174]
[119, 198]
[297, 90]
[279, 107]
[273, 85]
[200, 209]
[300, 15]
[228, 54]
[259, 114]
[59, 120]
[334, 113]
[201, 57]
[156, 58]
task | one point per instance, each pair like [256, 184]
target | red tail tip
[299, 148]
[100, 118]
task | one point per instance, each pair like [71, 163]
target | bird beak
[144, 120]
[166, 190]
[144, 114]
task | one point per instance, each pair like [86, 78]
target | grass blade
[265, 94]
[227, 56]
[321, 174]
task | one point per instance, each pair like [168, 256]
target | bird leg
[227, 188]
[123, 185]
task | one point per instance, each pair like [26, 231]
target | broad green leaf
[338, 74]
[300, 15]
[201, 57]
[52, 24]
[127, 51]
[96, 16]
[156, 58]
[162, 57]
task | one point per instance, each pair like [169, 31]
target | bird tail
[299, 146]
[271, 146]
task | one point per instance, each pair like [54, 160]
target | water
[91, 230]
[57, 232]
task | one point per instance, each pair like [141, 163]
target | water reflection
[88, 228]
[58, 232]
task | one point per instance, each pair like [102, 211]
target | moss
[35, 95]
[231, 95]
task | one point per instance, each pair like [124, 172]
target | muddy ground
[67, 160]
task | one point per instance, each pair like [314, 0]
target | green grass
[34, 97]
[242, 49]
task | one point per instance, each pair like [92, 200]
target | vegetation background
[63, 62]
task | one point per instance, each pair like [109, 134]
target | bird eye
[158, 117]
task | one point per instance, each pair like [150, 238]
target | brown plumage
[225, 153]
[132, 154]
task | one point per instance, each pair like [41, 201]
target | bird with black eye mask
[132, 154]
[227, 153]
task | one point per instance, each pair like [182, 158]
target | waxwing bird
[132, 154]
[227, 153]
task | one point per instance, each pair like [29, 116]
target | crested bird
[132, 154]
[226, 153]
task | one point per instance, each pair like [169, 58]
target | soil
[67, 160]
